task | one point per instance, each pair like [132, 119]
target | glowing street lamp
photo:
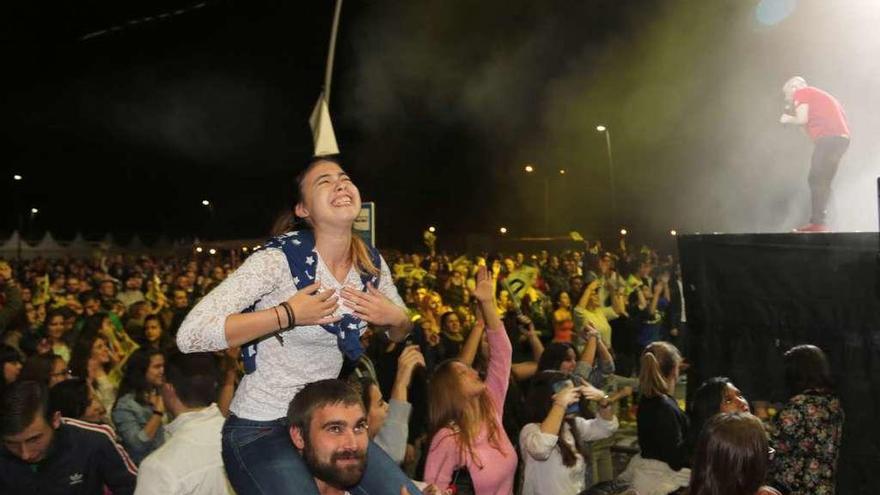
[432, 229]
[600, 128]
[205, 202]
[17, 177]
[503, 230]
[623, 232]
[212, 251]
[529, 169]
[199, 249]
[561, 171]
[34, 211]
[673, 232]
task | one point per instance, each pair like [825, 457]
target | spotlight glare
[432, 229]
[673, 232]
[561, 171]
[623, 232]
[199, 249]
[34, 211]
[503, 230]
[529, 169]
[601, 128]
[205, 202]
[212, 251]
[17, 177]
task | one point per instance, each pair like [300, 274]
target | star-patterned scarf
[299, 248]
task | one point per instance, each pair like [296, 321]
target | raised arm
[501, 351]
[472, 344]
[588, 291]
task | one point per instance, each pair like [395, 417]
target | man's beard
[336, 476]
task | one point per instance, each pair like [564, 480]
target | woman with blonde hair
[662, 427]
[465, 412]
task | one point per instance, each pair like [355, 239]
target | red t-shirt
[826, 117]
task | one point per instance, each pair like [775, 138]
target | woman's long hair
[659, 361]
[705, 403]
[134, 378]
[538, 404]
[731, 457]
[554, 354]
[806, 368]
[82, 352]
[447, 408]
[288, 221]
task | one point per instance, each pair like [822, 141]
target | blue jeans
[260, 459]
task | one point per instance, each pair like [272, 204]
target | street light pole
[607, 131]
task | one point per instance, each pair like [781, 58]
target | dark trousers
[823, 165]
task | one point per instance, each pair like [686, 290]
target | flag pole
[331, 53]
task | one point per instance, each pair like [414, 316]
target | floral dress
[806, 435]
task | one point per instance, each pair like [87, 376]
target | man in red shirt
[825, 122]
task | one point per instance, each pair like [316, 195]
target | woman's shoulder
[814, 398]
[445, 437]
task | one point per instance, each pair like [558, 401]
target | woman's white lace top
[309, 353]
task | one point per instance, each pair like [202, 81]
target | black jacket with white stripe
[83, 459]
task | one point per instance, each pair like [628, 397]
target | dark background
[750, 298]
[123, 116]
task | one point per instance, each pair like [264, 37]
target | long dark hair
[8, 354]
[82, 351]
[165, 341]
[134, 378]
[731, 457]
[806, 368]
[554, 354]
[705, 403]
[538, 404]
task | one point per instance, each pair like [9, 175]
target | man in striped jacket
[47, 454]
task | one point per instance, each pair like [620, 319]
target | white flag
[322, 129]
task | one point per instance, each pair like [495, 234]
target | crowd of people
[317, 365]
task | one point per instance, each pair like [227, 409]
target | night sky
[437, 105]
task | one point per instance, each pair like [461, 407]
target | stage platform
[750, 297]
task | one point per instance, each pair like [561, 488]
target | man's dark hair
[89, 296]
[20, 404]
[194, 376]
[317, 395]
[70, 397]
